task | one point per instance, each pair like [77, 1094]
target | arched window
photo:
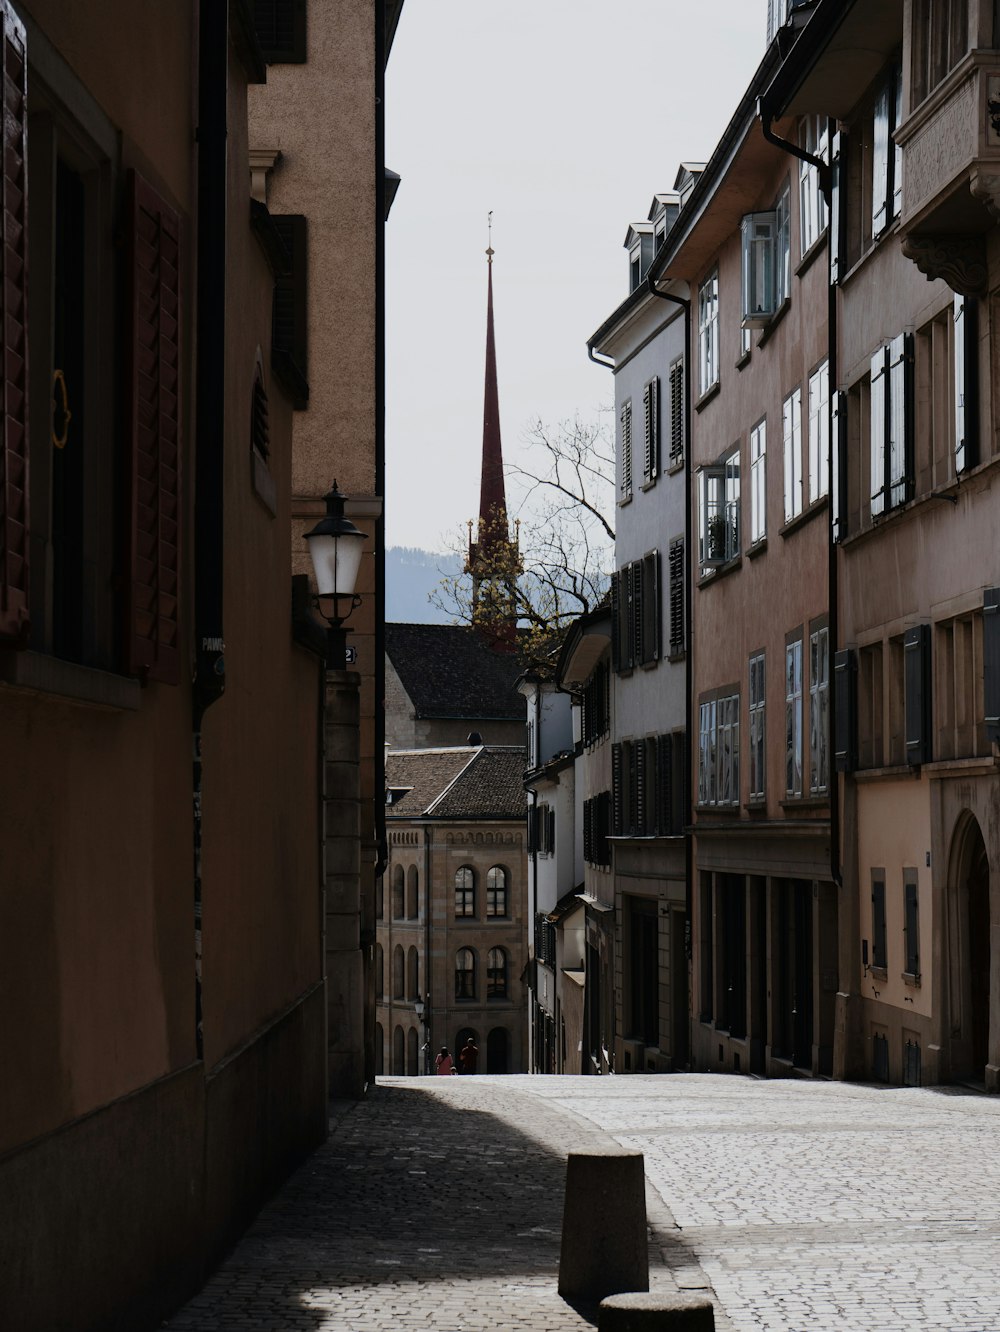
[413, 974]
[465, 974]
[412, 893]
[465, 891]
[398, 1051]
[496, 974]
[397, 893]
[380, 899]
[379, 972]
[379, 1050]
[496, 891]
[412, 1047]
[397, 972]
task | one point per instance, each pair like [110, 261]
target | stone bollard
[644, 1312]
[604, 1243]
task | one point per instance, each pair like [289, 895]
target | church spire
[494, 559]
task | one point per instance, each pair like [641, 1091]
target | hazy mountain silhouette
[411, 575]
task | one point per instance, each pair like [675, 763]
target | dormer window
[779, 12]
[659, 234]
[635, 267]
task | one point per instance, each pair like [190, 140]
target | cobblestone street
[437, 1204]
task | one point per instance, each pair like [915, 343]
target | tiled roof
[481, 782]
[448, 671]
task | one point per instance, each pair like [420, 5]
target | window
[380, 899]
[940, 37]
[676, 380]
[891, 445]
[887, 184]
[917, 688]
[759, 233]
[379, 972]
[965, 339]
[719, 509]
[281, 30]
[812, 205]
[398, 879]
[544, 839]
[819, 711]
[783, 261]
[636, 613]
[819, 432]
[465, 974]
[412, 893]
[758, 482]
[651, 431]
[625, 451]
[634, 268]
[596, 829]
[496, 974]
[398, 978]
[870, 717]
[791, 419]
[758, 750]
[911, 924]
[708, 333]
[289, 315]
[646, 798]
[960, 674]
[465, 891]
[719, 751]
[677, 572]
[413, 974]
[778, 14]
[595, 705]
[496, 891]
[793, 718]
[879, 961]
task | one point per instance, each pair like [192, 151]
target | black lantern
[335, 550]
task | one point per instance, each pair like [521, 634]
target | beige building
[451, 937]
[317, 163]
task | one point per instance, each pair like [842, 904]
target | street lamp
[420, 1008]
[335, 550]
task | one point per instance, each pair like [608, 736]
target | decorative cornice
[262, 161]
[959, 260]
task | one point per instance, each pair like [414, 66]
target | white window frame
[813, 217]
[793, 718]
[719, 751]
[758, 482]
[719, 511]
[791, 429]
[890, 399]
[708, 332]
[819, 432]
[819, 711]
[756, 695]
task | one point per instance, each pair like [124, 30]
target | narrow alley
[437, 1204]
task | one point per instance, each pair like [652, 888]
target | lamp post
[335, 550]
[419, 1008]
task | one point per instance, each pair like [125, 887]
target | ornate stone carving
[960, 260]
[985, 186]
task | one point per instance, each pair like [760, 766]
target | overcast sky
[564, 117]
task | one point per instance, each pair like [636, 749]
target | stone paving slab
[799, 1206]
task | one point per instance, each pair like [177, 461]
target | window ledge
[624, 499]
[818, 506]
[675, 465]
[756, 806]
[648, 485]
[727, 810]
[892, 771]
[649, 665]
[809, 258]
[676, 656]
[757, 548]
[983, 766]
[720, 571]
[744, 360]
[38, 673]
[711, 392]
[912, 979]
[879, 973]
[805, 802]
[775, 320]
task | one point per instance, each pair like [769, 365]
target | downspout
[382, 850]
[688, 631]
[825, 172]
[210, 416]
[532, 905]
[428, 973]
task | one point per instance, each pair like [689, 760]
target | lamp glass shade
[336, 561]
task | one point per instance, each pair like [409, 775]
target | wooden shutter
[966, 354]
[289, 320]
[881, 155]
[626, 472]
[676, 561]
[838, 199]
[677, 411]
[637, 752]
[911, 923]
[878, 411]
[845, 710]
[587, 829]
[991, 661]
[838, 443]
[917, 678]
[615, 627]
[899, 438]
[14, 526]
[665, 786]
[154, 462]
[651, 431]
[878, 924]
[617, 813]
[281, 30]
[638, 604]
[651, 606]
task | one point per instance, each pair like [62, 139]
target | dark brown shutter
[281, 30]
[617, 813]
[615, 626]
[636, 786]
[14, 536]
[651, 606]
[676, 559]
[636, 572]
[289, 321]
[917, 677]
[676, 411]
[911, 925]
[651, 431]
[845, 706]
[153, 388]
[665, 804]
[991, 661]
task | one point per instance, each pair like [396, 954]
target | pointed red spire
[492, 497]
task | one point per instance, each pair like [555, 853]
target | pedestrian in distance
[468, 1056]
[443, 1063]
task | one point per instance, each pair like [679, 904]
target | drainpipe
[210, 415]
[825, 170]
[688, 631]
[532, 903]
[380, 59]
[428, 974]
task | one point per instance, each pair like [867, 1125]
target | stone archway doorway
[970, 954]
